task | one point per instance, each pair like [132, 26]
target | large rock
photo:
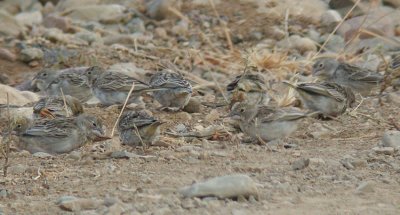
[15, 96]
[67, 5]
[230, 186]
[9, 26]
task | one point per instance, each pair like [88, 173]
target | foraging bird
[138, 128]
[360, 80]
[329, 99]
[53, 107]
[68, 83]
[266, 123]
[250, 88]
[59, 135]
[113, 87]
[177, 90]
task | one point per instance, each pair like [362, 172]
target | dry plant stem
[65, 104]
[123, 108]
[140, 138]
[336, 28]
[226, 29]
[8, 140]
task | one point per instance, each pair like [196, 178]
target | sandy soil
[148, 185]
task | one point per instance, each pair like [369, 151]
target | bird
[43, 79]
[177, 90]
[138, 128]
[58, 135]
[55, 106]
[113, 87]
[249, 87]
[330, 99]
[266, 123]
[360, 80]
[71, 83]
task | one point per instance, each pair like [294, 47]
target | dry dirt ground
[149, 184]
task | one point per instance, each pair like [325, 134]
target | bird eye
[44, 74]
[18, 126]
[320, 65]
[89, 73]
[241, 110]
[94, 124]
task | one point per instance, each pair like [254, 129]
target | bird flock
[59, 124]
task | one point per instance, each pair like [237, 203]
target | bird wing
[169, 80]
[268, 114]
[51, 128]
[358, 74]
[119, 82]
[324, 89]
[135, 119]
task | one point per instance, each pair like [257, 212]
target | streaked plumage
[330, 99]
[250, 88]
[138, 128]
[53, 107]
[59, 135]
[176, 91]
[266, 123]
[360, 80]
[113, 87]
[68, 83]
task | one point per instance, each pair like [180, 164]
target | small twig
[38, 174]
[123, 108]
[336, 28]
[8, 140]
[140, 138]
[65, 103]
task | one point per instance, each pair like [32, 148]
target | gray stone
[54, 21]
[9, 26]
[30, 54]
[230, 186]
[7, 55]
[329, 19]
[136, 25]
[365, 187]
[159, 9]
[90, 37]
[300, 164]
[384, 150]
[98, 12]
[123, 154]
[42, 155]
[29, 18]
[391, 139]
[71, 203]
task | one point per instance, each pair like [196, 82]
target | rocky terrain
[349, 165]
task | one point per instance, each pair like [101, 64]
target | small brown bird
[53, 107]
[329, 99]
[266, 123]
[138, 128]
[55, 83]
[250, 88]
[177, 90]
[59, 135]
[113, 87]
[360, 80]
